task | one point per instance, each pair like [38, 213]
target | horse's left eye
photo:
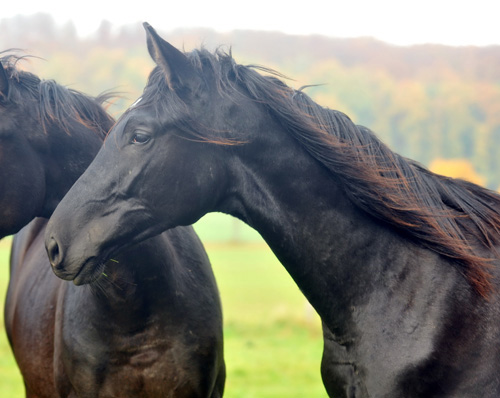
[140, 138]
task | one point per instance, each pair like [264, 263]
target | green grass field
[272, 337]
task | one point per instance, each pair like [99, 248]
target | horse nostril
[54, 253]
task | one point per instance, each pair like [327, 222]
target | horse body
[150, 326]
[400, 264]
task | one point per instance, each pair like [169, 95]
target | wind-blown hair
[452, 217]
[56, 104]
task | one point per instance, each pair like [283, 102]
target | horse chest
[116, 365]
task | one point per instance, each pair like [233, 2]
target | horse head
[161, 166]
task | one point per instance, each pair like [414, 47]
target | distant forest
[432, 103]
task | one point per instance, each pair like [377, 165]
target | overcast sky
[452, 22]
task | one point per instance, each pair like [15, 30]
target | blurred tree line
[427, 102]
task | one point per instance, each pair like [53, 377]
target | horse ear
[4, 82]
[178, 70]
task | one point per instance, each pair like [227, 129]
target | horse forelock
[159, 97]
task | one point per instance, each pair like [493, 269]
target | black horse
[401, 264]
[151, 325]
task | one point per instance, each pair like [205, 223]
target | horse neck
[303, 213]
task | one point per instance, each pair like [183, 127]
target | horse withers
[401, 264]
[149, 322]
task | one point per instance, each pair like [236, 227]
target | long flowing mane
[452, 217]
[56, 104]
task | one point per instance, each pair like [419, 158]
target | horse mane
[57, 104]
[449, 216]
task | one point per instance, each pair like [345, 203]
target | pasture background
[272, 337]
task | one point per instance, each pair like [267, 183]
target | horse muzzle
[63, 268]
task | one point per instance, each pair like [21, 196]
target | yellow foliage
[457, 168]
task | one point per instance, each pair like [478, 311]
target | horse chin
[89, 273]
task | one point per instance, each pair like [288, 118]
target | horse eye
[140, 138]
